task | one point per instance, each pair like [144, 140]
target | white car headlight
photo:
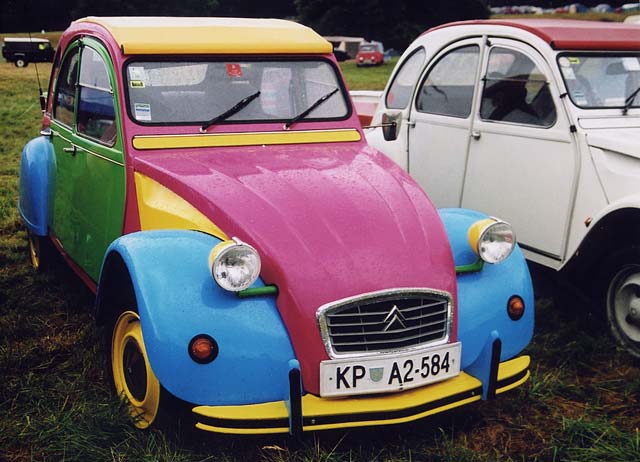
[492, 240]
[234, 265]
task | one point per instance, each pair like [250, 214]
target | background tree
[257, 9]
[84, 8]
[395, 24]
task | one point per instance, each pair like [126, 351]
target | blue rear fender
[37, 170]
[178, 299]
[483, 295]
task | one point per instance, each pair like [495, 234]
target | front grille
[385, 321]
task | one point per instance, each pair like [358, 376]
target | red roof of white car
[569, 34]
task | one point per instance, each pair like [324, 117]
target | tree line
[395, 23]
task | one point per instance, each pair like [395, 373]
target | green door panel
[90, 187]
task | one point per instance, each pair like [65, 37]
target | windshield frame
[596, 54]
[240, 59]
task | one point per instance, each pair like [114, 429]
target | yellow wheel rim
[34, 251]
[132, 375]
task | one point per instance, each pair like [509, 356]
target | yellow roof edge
[206, 35]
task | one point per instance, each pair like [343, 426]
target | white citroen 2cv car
[537, 121]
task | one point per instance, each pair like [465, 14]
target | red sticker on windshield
[234, 70]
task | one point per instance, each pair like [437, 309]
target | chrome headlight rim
[220, 258]
[485, 245]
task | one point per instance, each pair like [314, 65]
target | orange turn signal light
[203, 349]
[515, 307]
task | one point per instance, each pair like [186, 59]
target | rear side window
[401, 88]
[516, 91]
[96, 113]
[64, 101]
[448, 88]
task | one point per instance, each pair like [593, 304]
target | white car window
[516, 91]
[448, 88]
[601, 80]
[401, 88]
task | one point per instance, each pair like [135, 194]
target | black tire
[620, 286]
[21, 62]
[40, 252]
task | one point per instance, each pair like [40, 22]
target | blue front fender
[483, 295]
[36, 163]
[178, 299]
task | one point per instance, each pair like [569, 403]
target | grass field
[581, 404]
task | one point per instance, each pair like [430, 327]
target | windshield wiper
[629, 101]
[228, 113]
[306, 112]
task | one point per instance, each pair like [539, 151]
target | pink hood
[329, 220]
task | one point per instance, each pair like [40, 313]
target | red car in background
[370, 54]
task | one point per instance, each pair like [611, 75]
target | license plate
[386, 373]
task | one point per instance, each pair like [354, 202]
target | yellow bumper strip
[513, 373]
[215, 140]
[324, 414]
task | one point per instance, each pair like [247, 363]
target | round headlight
[492, 240]
[235, 266]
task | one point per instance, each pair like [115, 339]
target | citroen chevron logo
[394, 316]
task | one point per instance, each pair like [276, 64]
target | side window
[516, 91]
[448, 88]
[402, 86]
[96, 113]
[65, 96]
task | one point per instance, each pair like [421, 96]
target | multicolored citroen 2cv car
[254, 260]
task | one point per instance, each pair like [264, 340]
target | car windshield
[596, 81]
[197, 92]
[367, 48]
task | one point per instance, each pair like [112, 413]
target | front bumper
[331, 413]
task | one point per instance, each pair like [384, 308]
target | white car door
[440, 122]
[522, 157]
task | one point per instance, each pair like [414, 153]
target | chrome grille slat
[422, 326]
[373, 323]
[374, 342]
[347, 315]
[412, 318]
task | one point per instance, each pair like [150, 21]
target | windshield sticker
[142, 111]
[631, 64]
[137, 84]
[137, 73]
[568, 73]
[573, 60]
[564, 62]
[234, 70]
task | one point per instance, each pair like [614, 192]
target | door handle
[71, 150]
[475, 134]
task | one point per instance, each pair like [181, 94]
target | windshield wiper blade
[228, 113]
[629, 101]
[306, 112]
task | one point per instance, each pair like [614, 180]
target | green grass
[367, 78]
[581, 404]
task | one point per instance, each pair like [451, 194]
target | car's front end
[359, 316]
[370, 54]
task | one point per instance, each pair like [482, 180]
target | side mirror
[43, 102]
[390, 126]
